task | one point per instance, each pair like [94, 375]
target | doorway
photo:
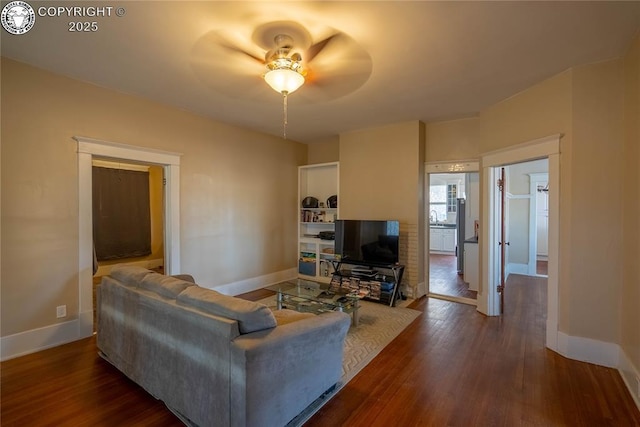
[153, 259]
[89, 148]
[526, 214]
[452, 206]
[488, 296]
[120, 238]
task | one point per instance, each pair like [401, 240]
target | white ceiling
[402, 61]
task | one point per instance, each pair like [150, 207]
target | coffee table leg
[279, 300]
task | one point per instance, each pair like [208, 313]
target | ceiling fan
[285, 56]
[332, 63]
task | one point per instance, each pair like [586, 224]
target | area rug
[378, 326]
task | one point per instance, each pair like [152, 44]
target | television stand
[377, 282]
[364, 272]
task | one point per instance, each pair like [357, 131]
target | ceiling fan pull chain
[284, 114]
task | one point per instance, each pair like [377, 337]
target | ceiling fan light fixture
[284, 80]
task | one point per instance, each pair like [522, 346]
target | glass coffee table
[313, 297]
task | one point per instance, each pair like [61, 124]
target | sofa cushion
[251, 316]
[285, 316]
[166, 286]
[130, 275]
[185, 277]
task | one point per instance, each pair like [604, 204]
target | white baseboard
[105, 270]
[39, 339]
[254, 283]
[421, 290]
[630, 376]
[589, 350]
[603, 354]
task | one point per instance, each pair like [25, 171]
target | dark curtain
[121, 213]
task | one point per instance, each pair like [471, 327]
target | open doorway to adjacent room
[521, 156]
[128, 216]
[527, 217]
[452, 217]
[169, 163]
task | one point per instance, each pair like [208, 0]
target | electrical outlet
[61, 311]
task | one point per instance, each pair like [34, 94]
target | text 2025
[84, 27]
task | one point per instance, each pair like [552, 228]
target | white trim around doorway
[547, 147]
[462, 166]
[88, 148]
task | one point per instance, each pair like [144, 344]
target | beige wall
[382, 177]
[630, 292]
[595, 258]
[324, 151]
[238, 190]
[452, 140]
[539, 111]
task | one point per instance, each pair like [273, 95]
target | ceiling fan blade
[341, 79]
[316, 48]
[340, 67]
[228, 68]
[232, 48]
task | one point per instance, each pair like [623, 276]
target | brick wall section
[408, 255]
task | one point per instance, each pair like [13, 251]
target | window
[438, 203]
[452, 196]
[443, 199]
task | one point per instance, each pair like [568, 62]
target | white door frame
[534, 179]
[463, 166]
[87, 149]
[548, 147]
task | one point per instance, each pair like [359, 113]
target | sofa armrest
[306, 331]
[278, 372]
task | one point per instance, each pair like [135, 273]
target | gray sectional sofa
[213, 359]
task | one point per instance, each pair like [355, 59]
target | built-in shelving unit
[315, 254]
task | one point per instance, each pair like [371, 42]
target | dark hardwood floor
[444, 278]
[455, 367]
[450, 367]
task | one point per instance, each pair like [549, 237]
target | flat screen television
[369, 241]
